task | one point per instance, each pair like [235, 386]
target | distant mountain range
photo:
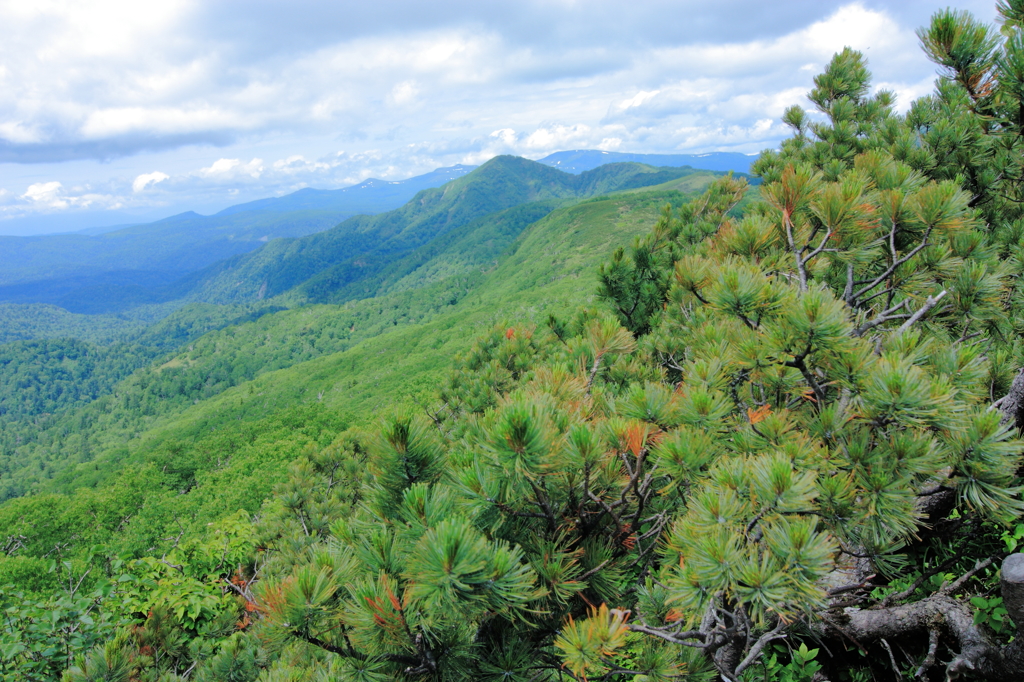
[580, 160]
[78, 270]
[369, 196]
[376, 196]
[263, 248]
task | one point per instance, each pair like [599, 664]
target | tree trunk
[979, 656]
[1012, 404]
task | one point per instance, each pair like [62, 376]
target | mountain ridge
[188, 241]
[350, 199]
[362, 246]
[580, 160]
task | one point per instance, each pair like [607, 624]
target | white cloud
[52, 196]
[298, 164]
[19, 133]
[404, 93]
[96, 29]
[161, 121]
[694, 138]
[558, 136]
[638, 99]
[228, 169]
[505, 135]
[46, 194]
[220, 167]
[852, 25]
[141, 80]
[141, 182]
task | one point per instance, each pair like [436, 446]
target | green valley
[502, 275]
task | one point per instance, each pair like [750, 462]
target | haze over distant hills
[579, 160]
[127, 262]
[370, 196]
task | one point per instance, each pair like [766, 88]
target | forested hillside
[503, 272]
[633, 424]
[38, 444]
[328, 264]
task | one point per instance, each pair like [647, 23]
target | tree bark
[979, 656]
[1012, 404]
[1013, 588]
[936, 506]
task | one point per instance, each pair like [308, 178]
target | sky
[116, 111]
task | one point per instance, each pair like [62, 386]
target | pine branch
[871, 284]
[595, 569]
[544, 504]
[877, 294]
[929, 660]
[755, 651]
[691, 638]
[959, 582]
[509, 510]
[903, 594]
[882, 318]
[800, 271]
[892, 659]
[848, 290]
[607, 509]
[799, 363]
[593, 370]
[928, 305]
[820, 249]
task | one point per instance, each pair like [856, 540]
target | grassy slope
[552, 268]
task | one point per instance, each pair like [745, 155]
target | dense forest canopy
[783, 444]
